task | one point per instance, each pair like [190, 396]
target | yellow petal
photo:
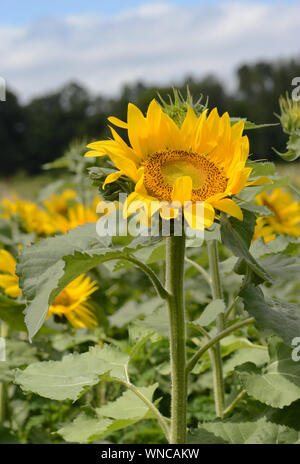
[154, 113]
[112, 178]
[122, 148]
[117, 122]
[260, 181]
[182, 190]
[14, 291]
[10, 285]
[167, 212]
[199, 215]
[125, 165]
[7, 262]
[228, 206]
[137, 130]
[93, 154]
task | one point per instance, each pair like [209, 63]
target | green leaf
[278, 384]
[293, 148]
[251, 125]
[255, 355]
[261, 169]
[84, 429]
[250, 193]
[133, 309]
[260, 248]
[48, 266]
[7, 436]
[128, 409]
[257, 432]
[229, 345]
[11, 312]
[204, 437]
[74, 374]
[289, 415]
[129, 405]
[210, 313]
[259, 209]
[237, 235]
[280, 267]
[18, 353]
[138, 346]
[65, 341]
[5, 232]
[274, 316]
[158, 322]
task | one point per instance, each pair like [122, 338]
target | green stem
[152, 276]
[161, 419]
[194, 359]
[175, 251]
[232, 306]
[199, 268]
[215, 353]
[234, 403]
[147, 270]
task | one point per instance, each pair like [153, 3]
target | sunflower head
[290, 114]
[59, 204]
[285, 218]
[76, 216]
[9, 281]
[30, 216]
[74, 305]
[198, 160]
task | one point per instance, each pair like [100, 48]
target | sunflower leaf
[278, 384]
[251, 125]
[127, 410]
[256, 432]
[47, 267]
[74, 374]
[17, 354]
[237, 235]
[11, 312]
[272, 315]
[210, 313]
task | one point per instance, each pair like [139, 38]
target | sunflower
[59, 204]
[77, 215]
[9, 281]
[201, 161]
[72, 303]
[32, 218]
[285, 219]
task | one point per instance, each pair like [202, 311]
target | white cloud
[155, 42]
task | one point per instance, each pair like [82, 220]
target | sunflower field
[149, 294]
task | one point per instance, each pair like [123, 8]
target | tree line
[41, 130]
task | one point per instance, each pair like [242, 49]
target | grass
[23, 185]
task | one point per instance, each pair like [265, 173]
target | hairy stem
[161, 419]
[195, 358]
[175, 252]
[215, 352]
[234, 403]
[199, 268]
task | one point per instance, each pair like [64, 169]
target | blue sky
[103, 45]
[17, 12]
